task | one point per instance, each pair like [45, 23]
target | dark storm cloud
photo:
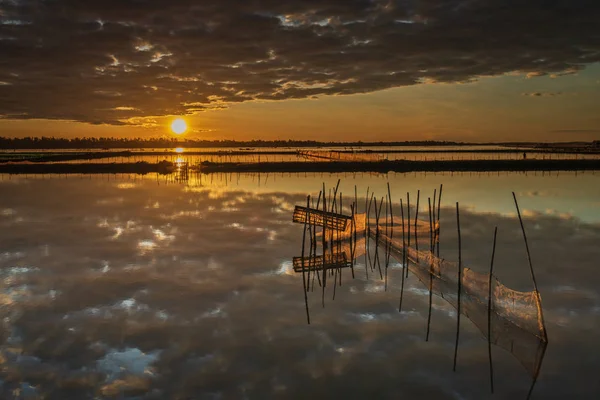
[107, 61]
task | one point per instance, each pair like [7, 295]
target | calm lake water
[136, 288]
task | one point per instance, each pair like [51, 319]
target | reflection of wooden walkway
[319, 263]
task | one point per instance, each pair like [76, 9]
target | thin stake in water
[430, 272]
[303, 275]
[459, 286]
[404, 263]
[489, 310]
[408, 226]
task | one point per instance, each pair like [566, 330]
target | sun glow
[178, 126]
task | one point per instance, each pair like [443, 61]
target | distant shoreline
[58, 156]
[51, 143]
[303, 166]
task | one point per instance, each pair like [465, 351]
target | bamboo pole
[408, 227]
[391, 225]
[387, 244]
[303, 275]
[458, 309]
[355, 211]
[430, 272]
[367, 233]
[324, 280]
[339, 242]
[438, 222]
[404, 264]
[352, 238]
[489, 310]
[539, 300]
[377, 215]
[416, 230]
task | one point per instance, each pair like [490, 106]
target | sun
[178, 126]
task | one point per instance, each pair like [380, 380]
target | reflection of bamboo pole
[416, 231]
[367, 236]
[377, 215]
[541, 323]
[335, 281]
[387, 244]
[403, 256]
[354, 226]
[332, 208]
[433, 219]
[537, 372]
[355, 210]
[352, 238]
[430, 271]
[438, 222]
[489, 310]
[303, 275]
[315, 245]
[386, 215]
[387, 262]
[339, 242]
[408, 227]
[324, 246]
[369, 228]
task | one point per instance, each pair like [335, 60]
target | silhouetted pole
[387, 243]
[391, 212]
[430, 271]
[458, 308]
[403, 256]
[352, 237]
[324, 246]
[339, 242]
[367, 233]
[315, 245]
[303, 275]
[438, 221]
[408, 226]
[416, 231]
[489, 310]
[433, 219]
[377, 215]
[355, 209]
[543, 325]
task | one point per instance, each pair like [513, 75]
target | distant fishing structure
[507, 318]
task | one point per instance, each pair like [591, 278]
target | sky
[343, 70]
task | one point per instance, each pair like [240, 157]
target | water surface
[134, 287]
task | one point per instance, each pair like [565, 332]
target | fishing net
[515, 318]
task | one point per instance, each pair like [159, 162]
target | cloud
[542, 94]
[87, 61]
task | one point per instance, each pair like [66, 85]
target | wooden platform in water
[311, 216]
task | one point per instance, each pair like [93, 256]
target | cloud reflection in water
[196, 298]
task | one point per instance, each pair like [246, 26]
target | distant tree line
[122, 143]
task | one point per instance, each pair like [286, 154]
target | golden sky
[370, 71]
